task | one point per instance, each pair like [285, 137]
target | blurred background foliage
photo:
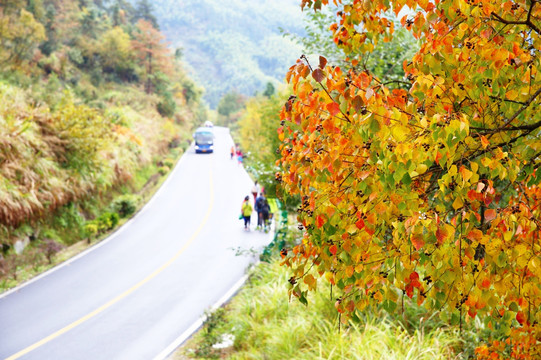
[234, 45]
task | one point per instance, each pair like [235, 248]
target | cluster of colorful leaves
[428, 190]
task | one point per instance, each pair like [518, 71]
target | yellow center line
[125, 293]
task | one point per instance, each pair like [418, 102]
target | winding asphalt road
[132, 295]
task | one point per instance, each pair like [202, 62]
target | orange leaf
[333, 108]
[417, 241]
[490, 215]
[475, 235]
[438, 157]
[485, 284]
[441, 235]
[484, 142]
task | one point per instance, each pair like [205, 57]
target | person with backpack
[246, 212]
[265, 212]
[259, 205]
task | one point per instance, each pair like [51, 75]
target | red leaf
[409, 291]
[333, 108]
[322, 62]
[360, 224]
[320, 221]
[521, 318]
[473, 195]
[318, 75]
[333, 249]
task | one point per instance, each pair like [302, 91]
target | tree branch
[527, 22]
[529, 127]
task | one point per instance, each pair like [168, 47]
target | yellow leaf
[352, 228]
[400, 132]
[421, 168]
[511, 95]
[458, 203]
[310, 281]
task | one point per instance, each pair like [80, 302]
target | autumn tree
[424, 188]
[20, 33]
[152, 52]
[115, 51]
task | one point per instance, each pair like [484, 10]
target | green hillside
[233, 45]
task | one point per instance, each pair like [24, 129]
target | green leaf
[389, 306]
[406, 179]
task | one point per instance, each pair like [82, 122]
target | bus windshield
[204, 137]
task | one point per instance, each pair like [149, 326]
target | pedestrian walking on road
[239, 156]
[246, 212]
[265, 212]
[259, 208]
[256, 189]
[232, 151]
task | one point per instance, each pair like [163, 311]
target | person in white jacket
[256, 189]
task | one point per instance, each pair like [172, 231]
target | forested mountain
[90, 94]
[233, 45]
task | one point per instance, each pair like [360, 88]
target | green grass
[266, 325]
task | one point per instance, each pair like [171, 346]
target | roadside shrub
[212, 334]
[125, 205]
[49, 248]
[103, 223]
[169, 163]
[175, 142]
[163, 170]
[91, 230]
[107, 221]
[50, 234]
[167, 106]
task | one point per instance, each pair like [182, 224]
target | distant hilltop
[234, 45]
